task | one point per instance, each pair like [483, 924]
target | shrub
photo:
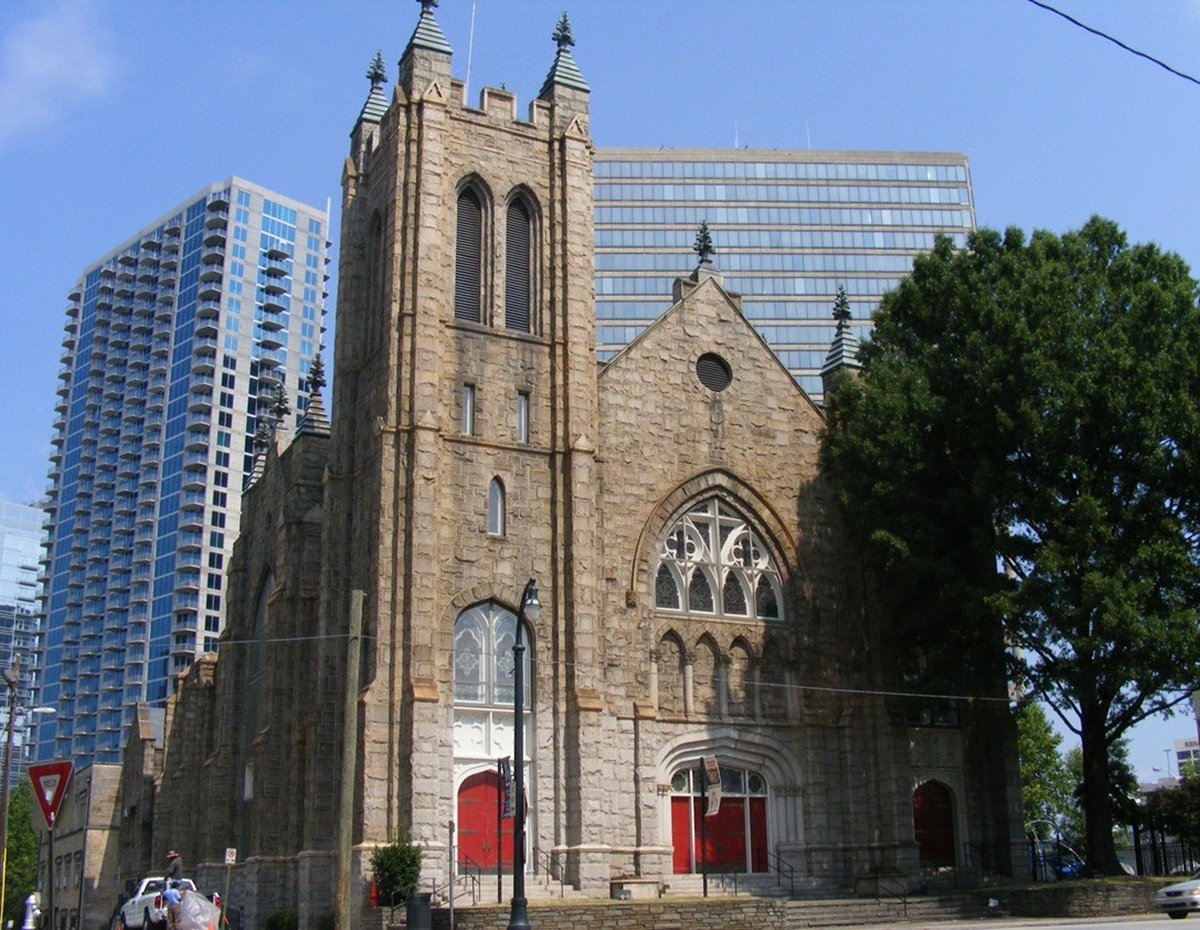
[282, 920]
[396, 868]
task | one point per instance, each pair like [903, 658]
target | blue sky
[113, 111]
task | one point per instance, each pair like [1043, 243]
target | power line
[1115, 41]
[776, 685]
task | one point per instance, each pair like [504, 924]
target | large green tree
[1179, 808]
[1020, 457]
[21, 874]
[1045, 782]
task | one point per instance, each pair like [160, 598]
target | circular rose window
[713, 371]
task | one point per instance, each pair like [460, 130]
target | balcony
[199, 402]
[208, 309]
[218, 202]
[192, 500]
[213, 254]
[195, 460]
[190, 540]
[212, 271]
[210, 288]
[274, 303]
[204, 345]
[195, 479]
[187, 581]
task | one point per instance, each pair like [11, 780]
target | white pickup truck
[146, 910]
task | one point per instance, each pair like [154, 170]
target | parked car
[146, 909]
[1180, 899]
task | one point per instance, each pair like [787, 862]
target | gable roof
[686, 290]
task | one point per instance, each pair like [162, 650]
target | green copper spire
[841, 309]
[316, 373]
[564, 71]
[428, 33]
[562, 32]
[376, 73]
[377, 103]
[843, 352]
[704, 245]
[314, 421]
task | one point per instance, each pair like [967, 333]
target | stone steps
[724, 912]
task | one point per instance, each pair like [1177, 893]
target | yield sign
[50, 786]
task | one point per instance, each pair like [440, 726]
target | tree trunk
[1097, 795]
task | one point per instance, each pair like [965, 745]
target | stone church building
[698, 594]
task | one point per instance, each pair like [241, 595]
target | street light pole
[530, 608]
[10, 678]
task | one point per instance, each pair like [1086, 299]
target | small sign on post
[230, 862]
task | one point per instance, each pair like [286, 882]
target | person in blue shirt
[172, 897]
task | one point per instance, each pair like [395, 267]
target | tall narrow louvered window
[516, 268]
[468, 253]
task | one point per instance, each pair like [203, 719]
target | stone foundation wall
[1101, 898]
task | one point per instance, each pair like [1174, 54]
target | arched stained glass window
[713, 555]
[483, 657]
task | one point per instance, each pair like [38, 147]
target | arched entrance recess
[933, 824]
[734, 838]
[759, 807]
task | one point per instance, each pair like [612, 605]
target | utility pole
[345, 832]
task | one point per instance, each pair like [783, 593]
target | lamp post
[11, 676]
[530, 608]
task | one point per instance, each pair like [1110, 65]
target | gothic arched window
[712, 563]
[483, 658]
[468, 256]
[517, 264]
[496, 514]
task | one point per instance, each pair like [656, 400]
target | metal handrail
[723, 872]
[469, 868]
[546, 861]
[781, 867]
[898, 888]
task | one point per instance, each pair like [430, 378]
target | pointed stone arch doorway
[933, 825]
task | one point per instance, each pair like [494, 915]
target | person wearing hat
[174, 867]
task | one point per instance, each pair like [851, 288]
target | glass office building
[176, 342]
[21, 537]
[790, 227]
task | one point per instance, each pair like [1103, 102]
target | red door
[933, 824]
[478, 805]
[724, 833]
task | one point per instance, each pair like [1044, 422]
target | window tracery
[713, 555]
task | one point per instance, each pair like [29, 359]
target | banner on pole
[506, 786]
[712, 785]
